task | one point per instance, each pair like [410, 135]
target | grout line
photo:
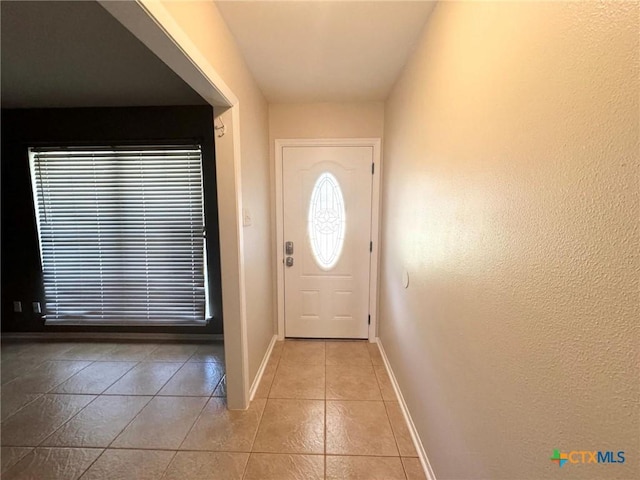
[273, 379]
[168, 379]
[192, 355]
[163, 449]
[324, 459]
[92, 463]
[57, 447]
[218, 383]
[159, 449]
[246, 466]
[393, 431]
[115, 437]
[204, 405]
[384, 403]
[166, 469]
[39, 395]
[255, 435]
[68, 420]
[270, 452]
[157, 394]
[29, 370]
[406, 475]
[108, 386]
[72, 375]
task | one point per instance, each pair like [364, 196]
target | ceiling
[315, 51]
[75, 54]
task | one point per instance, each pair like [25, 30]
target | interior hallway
[158, 411]
[508, 286]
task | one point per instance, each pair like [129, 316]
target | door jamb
[374, 143]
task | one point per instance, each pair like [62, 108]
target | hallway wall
[206, 28]
[510, 196]
[325, 120]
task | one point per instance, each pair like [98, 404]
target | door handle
[288, 248]
[289, 262]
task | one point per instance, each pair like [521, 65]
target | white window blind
[121, 234]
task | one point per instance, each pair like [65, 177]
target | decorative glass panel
[326, 221]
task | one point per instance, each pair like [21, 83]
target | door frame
[374, 143]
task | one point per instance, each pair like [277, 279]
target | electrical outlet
[17, 306]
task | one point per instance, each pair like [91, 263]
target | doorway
[327, 220]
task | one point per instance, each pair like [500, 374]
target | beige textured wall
[511, 198]
[326, 120]
[202, 21]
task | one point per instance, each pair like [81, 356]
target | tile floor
[116, 411]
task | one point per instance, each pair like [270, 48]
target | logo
[584, 456]
[561, 458]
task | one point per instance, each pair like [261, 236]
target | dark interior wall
[20, 129]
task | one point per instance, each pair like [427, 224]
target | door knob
[289, 262]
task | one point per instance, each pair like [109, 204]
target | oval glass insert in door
[326, 221]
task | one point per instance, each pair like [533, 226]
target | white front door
[327, 235]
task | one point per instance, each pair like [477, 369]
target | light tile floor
[116, 411]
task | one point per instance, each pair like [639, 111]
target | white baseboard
[426, 466]
[263, 365]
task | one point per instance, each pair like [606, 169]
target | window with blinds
[121, 234]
